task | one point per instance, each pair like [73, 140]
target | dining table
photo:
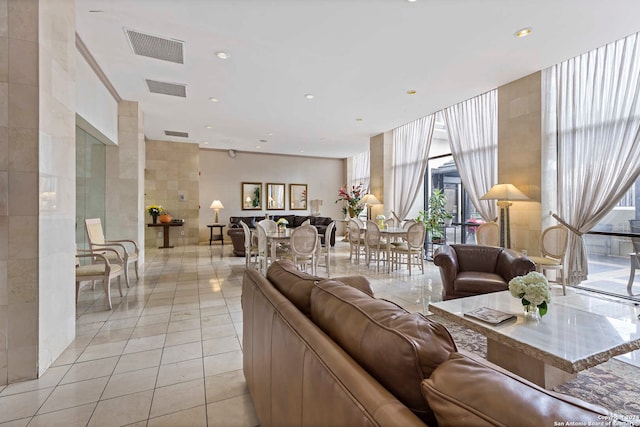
[276, 237]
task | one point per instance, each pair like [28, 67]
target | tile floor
[169, 354]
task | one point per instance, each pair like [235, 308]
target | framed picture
[275, 196]
[298, 197]
[251, 196]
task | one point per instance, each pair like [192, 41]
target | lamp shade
[370, 199]
[216, 204]
[504, 192]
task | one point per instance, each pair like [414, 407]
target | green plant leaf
[543, 308]
[525, 302]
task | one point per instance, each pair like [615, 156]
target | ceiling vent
[156, 47]
[175, 133]
[164, 88]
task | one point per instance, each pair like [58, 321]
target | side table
[165, 231]
[217, 236]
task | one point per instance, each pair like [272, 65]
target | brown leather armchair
[468, 270]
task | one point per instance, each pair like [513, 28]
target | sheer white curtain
[361, 172]
[598, 137]
[473, 138]
[411, 144]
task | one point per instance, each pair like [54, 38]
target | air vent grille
[165, 88]
[176, 133]
[156, 47]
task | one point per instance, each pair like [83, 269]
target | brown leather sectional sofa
[327, 353]
[468, 270]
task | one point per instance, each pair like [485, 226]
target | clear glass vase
[531, 312]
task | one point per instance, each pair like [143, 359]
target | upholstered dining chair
[554, 246]
[375, 245]
[356, 241]
[269, 225]
[250, 246]
[103, 270]
[303, 245]
[634, 257]
[127, 249]
[413, 250]
[323, 251]
[488, 234]
[263, 249]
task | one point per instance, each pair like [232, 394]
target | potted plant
[437, 216]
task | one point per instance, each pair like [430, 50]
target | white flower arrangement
[282, 221]
[532, 289]
[381, 218]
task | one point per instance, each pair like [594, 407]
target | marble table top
[578, 332]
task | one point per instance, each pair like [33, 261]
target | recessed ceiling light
[309, 96]
[213, 99]
[263, 140]
[523, 32]
[257, 146]
[270, 133]
[302, 151]
[209, 126]
[359, 119]
[411, 1]
[223, 55]
[411, 92]
[205, 142]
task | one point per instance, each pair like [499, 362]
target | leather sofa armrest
[512, 263]
[446, 258]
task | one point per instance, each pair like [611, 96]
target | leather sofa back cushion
[299, 219]
[477, 258]
[464, 392]
[296, 285]
[397, 348]
[249, 220]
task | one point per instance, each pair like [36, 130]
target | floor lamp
[504, 194]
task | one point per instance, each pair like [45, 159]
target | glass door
[90, 182]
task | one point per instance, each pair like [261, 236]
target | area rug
[613, 384]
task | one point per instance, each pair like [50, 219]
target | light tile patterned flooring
[169, 354]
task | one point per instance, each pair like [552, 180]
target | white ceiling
[357, 57]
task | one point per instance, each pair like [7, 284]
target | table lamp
[216, 206]
[370, 200]
[315, 206]
[504, 194]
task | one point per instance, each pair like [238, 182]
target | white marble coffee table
[578, 332]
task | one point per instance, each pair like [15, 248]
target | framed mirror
[251, 196]
[275, 196]
[298, 196]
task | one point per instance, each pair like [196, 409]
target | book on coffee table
[489, 315]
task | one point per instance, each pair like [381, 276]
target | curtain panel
[598, 137]
[411, 144]
[473, 138]
[361, 173]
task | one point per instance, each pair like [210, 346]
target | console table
[218, 236]
[165, 232]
